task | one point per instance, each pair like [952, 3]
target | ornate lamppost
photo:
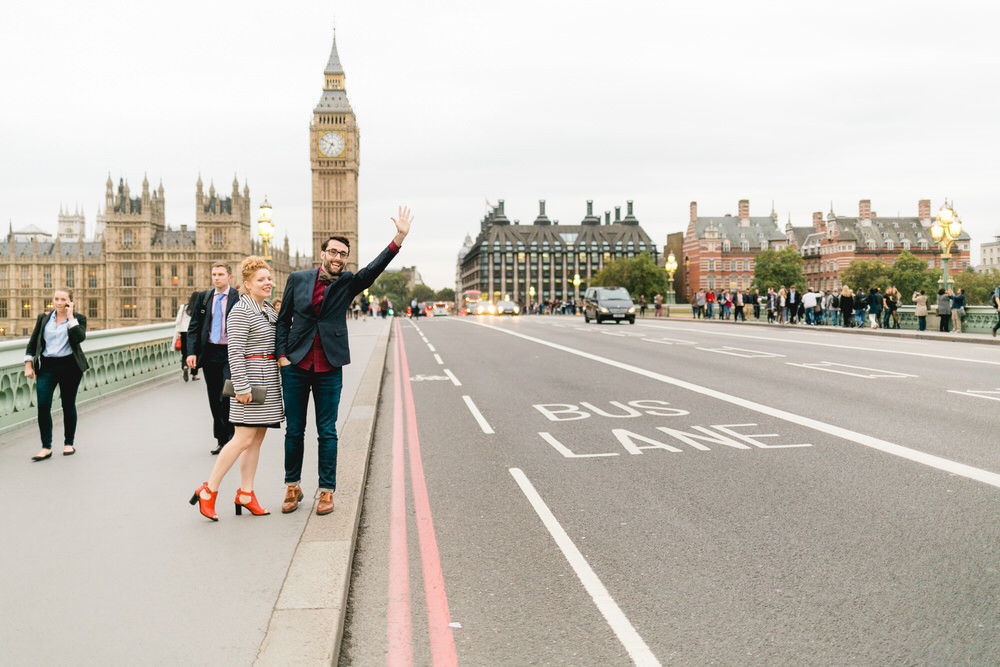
[576, 286]
[946, 229]
[265, 227]
[671, 266]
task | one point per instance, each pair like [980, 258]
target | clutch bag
[257, 394]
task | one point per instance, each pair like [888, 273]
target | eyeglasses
[342, 254]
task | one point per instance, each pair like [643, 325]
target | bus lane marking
[483, 424]
[867, 373]
[993, 395]
[612, 613]
[741, 352]
[664, 340]
[891, 448]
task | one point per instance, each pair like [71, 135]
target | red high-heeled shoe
[206, 507]
[251, 505]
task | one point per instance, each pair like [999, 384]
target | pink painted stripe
[438, 618]
[400, 649]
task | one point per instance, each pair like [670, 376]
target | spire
[333, 65]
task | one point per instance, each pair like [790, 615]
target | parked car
[507, 308]
[608, 303]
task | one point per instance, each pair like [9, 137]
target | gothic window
[3, 276]
[92, 308]
[128, 308]
[217, 238]
[70, 276]
[26, 308]
[3, 308]
[158, 308]
[158, 276]
[190, 275]
[174, 279]
[92, 278]
[128, 275]
[173, 305]
[25, 277]
[47, 277]
[127, 237]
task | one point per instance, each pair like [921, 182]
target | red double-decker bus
[469, 301]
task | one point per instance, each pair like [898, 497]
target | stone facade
[507, 260]
[141, 271]
[334, 154]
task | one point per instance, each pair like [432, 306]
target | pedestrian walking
[710, 304]
[793, 300]
[312, 349]
[755, 301]
[860, 307]
[55, 359]
[944, 309]
[920, 310]
[658, 305]
[874, 306]
[206, 346]
[642, 305]
[847, 306]
[181, 324]
[250, 329]
[957, 310]
[702, 299]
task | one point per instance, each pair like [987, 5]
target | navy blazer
[77, 334]
[299, 323]
[201, 321]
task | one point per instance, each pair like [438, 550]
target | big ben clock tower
[334, 155]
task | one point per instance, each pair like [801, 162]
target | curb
[307, 623]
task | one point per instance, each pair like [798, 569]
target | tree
[978, 286]
[909, 274]
[422, 293]
[639, 275]
[866, 274]
[778, 268]
[445, 294]
[394, 285]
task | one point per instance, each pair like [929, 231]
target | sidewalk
[103, 561]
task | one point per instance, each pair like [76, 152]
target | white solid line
[853, 348]
[612, 613]
[437, 358]
[976, 394]
[947, 465]
[483, 424]
[451, 376]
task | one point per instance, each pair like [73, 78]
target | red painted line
[400, 647]
[438, 618]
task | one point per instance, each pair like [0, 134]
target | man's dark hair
[342, 239]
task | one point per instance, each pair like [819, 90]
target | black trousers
[64, 373]
[215, 364]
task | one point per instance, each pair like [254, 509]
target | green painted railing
[119, 359]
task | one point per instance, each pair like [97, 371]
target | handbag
[257, 394]
[177, 342]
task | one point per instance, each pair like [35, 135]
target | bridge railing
[120, 359]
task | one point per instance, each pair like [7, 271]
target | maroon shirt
[315, 359]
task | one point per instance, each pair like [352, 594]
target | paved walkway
[104, 562]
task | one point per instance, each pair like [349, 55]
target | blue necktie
[216, 320]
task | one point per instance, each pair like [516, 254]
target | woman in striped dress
[250, 334]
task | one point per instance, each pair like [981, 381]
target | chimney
[924, 209]
[744, 209]
[607, 217]
[694, 211]
[618, 213]
[590, 207]
[500, 207]
[865, 209]
[818, 221]
[541, 208]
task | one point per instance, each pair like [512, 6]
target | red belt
[260, 356]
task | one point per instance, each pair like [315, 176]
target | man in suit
[207, 347]
[312, 348]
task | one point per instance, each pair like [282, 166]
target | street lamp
[576, 286]
[671, 266]
[265, 227]
[945, 231]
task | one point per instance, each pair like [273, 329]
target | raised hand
[402, 223]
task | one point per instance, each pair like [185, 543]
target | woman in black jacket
[54, 357]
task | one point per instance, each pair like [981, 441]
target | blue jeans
[325, 387]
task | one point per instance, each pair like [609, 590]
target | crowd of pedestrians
[844, 307]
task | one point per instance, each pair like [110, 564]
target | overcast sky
[659, 102]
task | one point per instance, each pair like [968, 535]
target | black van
[608, 303]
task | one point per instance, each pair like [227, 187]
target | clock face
[331, 144]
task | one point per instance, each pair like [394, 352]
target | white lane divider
[483, 424]
[437, 358]
[978, 393]
[923, 458]
[622, 627]
[451, 376]
[855, 371]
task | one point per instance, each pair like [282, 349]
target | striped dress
[250, 332]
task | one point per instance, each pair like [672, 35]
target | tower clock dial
[331, 144]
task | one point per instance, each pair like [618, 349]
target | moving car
[439, 309]
[608, 303]
[508, 308]
[485, 308]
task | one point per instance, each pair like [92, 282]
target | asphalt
[103, 561]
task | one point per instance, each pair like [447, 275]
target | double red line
[400, 649]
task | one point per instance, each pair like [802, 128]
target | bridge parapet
[120, 359]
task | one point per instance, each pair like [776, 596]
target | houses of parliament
[134, 269]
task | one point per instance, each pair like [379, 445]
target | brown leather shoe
[293, 495]
[325, 504]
